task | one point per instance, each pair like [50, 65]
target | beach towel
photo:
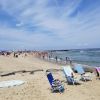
[80, 70]
[69, 74]
[56, 85]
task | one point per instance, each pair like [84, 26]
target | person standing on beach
[56, 58]
[43, 57]
[49, 57]
[68, 60]
[14, 54]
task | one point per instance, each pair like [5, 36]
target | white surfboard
[11, 83]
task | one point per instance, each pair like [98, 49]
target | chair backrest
[98, 70]
[50, 78]
[79, 69]
[67, 70]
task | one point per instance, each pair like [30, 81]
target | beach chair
[56, 85]
[80, 70]
[98, 71]
[69, 74]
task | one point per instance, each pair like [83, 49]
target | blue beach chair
[81, 71]
[69, 74]
[56, 85]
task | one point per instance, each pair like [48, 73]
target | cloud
[49, 24]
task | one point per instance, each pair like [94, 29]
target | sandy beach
[37, 87]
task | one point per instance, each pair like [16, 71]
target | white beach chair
[69, 74]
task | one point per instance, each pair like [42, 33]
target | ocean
[89, 57]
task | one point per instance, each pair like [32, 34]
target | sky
[49, 24]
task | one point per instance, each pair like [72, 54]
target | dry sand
[36, 85]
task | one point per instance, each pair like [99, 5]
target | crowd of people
[45, 55]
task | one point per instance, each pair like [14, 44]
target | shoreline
[87, 68]
[58, 62]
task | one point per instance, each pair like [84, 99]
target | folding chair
[69, 74]
[56, 85]
[80, 70]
